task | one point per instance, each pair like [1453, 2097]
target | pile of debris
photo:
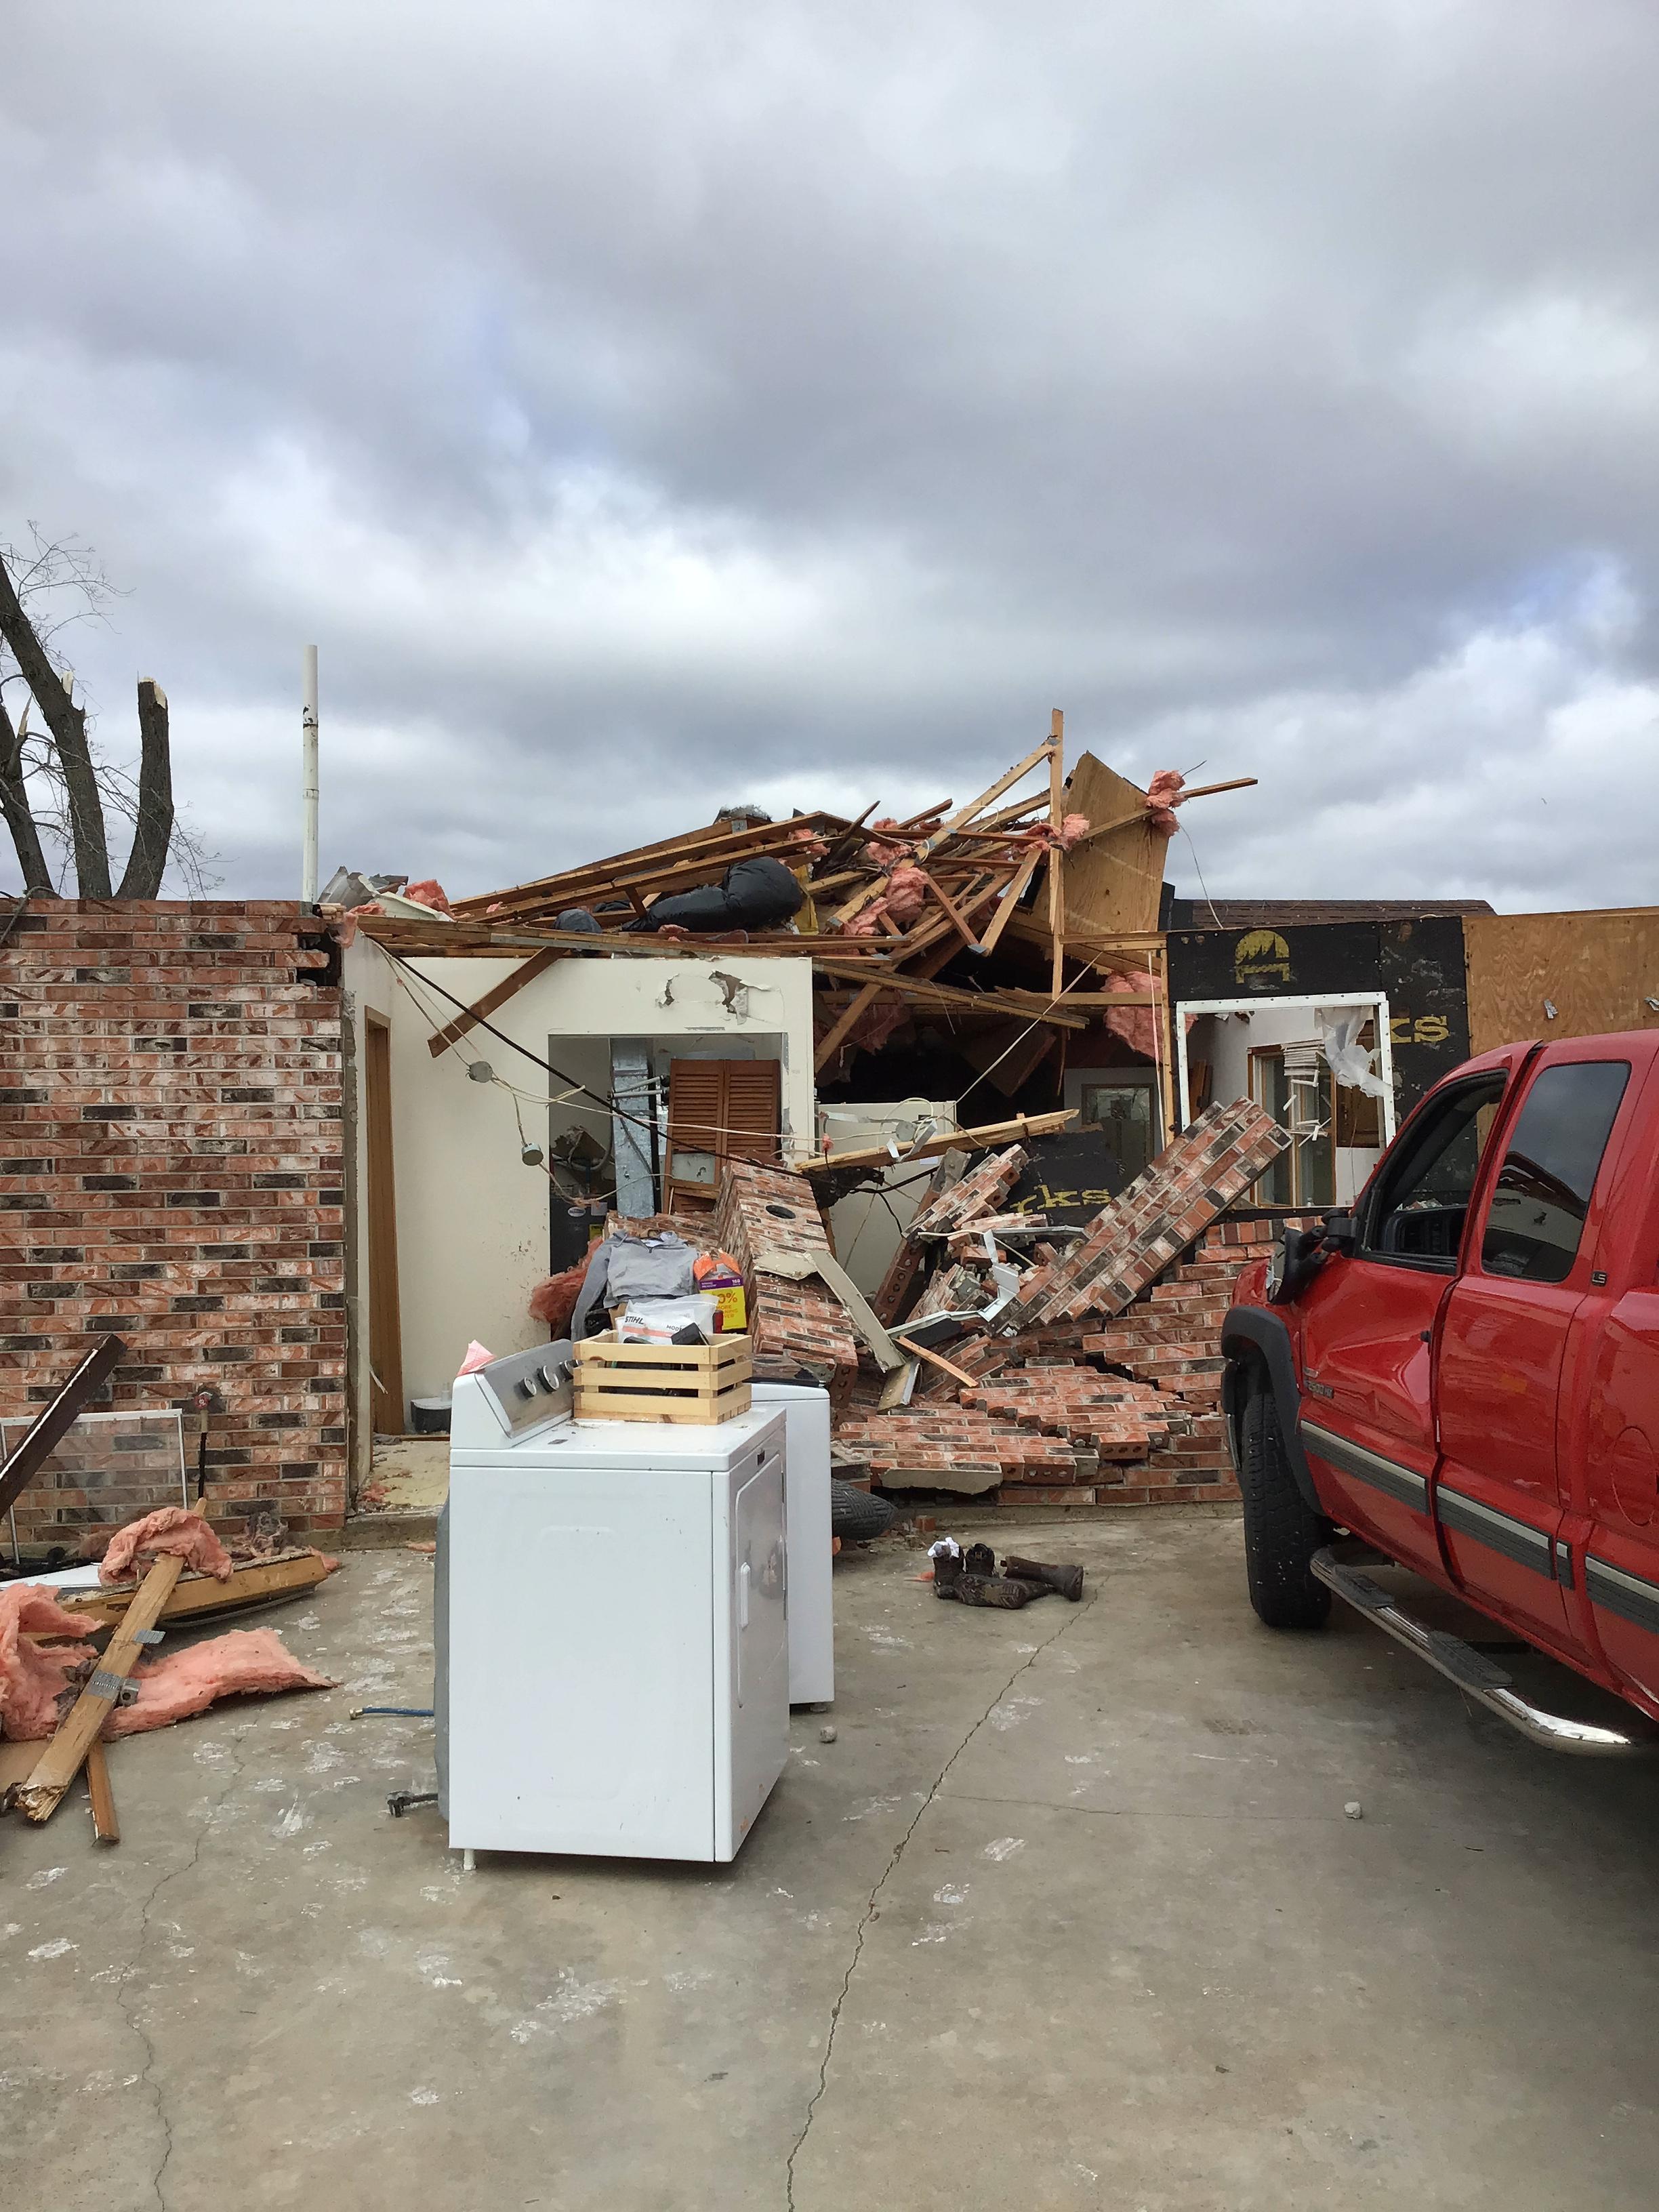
[78, 1663]
[1078, 1376]
[991, 916]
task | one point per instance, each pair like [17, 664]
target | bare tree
[55, 791]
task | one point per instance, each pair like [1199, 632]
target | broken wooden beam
[38, 1798]
[105, 1823]
[198, 1596]
[1013, 1132]
[496, 996]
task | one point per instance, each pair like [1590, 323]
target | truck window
[1416, 1213]
[1543, 1190]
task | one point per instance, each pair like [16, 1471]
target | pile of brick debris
[1078, 1376]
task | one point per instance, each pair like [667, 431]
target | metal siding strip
[1395, 1481]
[1629, 1596]
[1499, 1532]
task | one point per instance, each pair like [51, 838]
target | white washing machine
[615, 1674]
[811, 1581]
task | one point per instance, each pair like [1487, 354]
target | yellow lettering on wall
[1399, 1029]
[1431, 1028]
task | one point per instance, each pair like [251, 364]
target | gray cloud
[647, 404]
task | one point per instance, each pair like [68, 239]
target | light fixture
[531, 1156]
[481, 1070]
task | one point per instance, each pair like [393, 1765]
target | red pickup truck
[1462, 1372]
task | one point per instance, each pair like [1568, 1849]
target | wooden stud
[508, 988]
[1014, 1132]
[60, 1762]
[106, 1824]
[838, 1036]
[1056, 858]
[938, 1359]
[198, 1596]
[1016, 892]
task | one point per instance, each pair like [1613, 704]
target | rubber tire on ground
[855, 1516]
[1280, 1533]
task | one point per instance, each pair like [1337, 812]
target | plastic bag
[660, 1321]
[1346, 1058]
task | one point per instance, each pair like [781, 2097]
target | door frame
[1378, 1001]
[385, 1332]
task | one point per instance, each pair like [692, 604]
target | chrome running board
[1474, 1673]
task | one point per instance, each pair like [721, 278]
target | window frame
[1369, 1207]
[1582, 1253]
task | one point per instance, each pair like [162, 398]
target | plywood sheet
[1114, 883]
[1598, 970]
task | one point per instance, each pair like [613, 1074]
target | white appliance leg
[468, 1863]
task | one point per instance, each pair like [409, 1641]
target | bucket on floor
[431, 1416]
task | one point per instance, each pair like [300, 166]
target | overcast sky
[645, 403]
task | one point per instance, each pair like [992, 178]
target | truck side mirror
[1341, 1232]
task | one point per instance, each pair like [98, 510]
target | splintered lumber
[1012, 897]
[38, 1797]
[1056, 857]
[496, 996]
[105, 1826]
[674, 864]
[861, 1000]
[198, 1596]
[958, 1140]
[938, 1359]
[945, 995]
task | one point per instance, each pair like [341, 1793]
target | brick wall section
[980, 1191]
[795, 1323]
[1163, 1211]
[171, 1117]
[1159, 1439]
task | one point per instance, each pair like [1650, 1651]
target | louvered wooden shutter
[717, 1109]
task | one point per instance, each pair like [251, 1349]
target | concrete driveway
[1070, 1914]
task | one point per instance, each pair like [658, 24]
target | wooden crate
[701, 1382]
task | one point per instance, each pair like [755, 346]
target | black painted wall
[1419, 963]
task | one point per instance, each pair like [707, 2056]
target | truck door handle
[743, 1595]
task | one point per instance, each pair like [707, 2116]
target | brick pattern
[790, 1323]
[980, 1191]
[171, 1103]
[1158, 1438]
[1213, 1163]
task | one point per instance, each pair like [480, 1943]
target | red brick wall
[172, 1168]
[788, 1321]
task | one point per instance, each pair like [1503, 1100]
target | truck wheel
[1280, 1534]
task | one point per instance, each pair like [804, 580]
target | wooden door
[718, 1111]
[389, 1415]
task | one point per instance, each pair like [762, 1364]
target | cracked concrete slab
[1069, 1913]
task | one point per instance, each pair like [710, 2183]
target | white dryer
[811, 1583]
[616, 1646]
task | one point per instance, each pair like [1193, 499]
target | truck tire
[1280, 1533]
[854, 1516]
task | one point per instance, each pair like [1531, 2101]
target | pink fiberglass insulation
[172, 1530]
[553, 1302]
[1164, 794]
[427, 892]
[239, 1663]
[31, 1676]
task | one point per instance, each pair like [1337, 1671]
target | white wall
[472, 1219]
[1227, 1041]
[867, 1228]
